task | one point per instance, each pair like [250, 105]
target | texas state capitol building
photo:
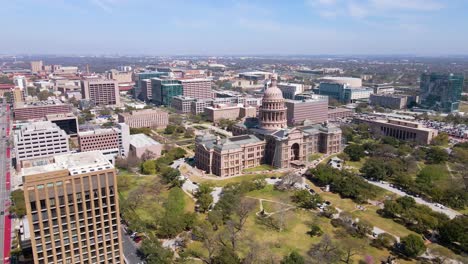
[267, 140]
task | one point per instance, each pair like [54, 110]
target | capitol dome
[272, 113]
[273, 92]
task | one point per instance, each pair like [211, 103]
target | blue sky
[209, 27]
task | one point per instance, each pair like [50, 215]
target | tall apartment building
[101, 92]
[17, 95]
[145, 118]
[164, 90]
[20, 81]
[112, 142]
[146, 90]
[441, 92]
[290, 90]
[315, 110]
[38, 110]
[197, 88]
[36, 143]
[400, 129]
[36, 66]
[73, 210]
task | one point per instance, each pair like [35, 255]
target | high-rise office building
[164, 90]
[73, 210]
[101, 92]
[139, 77]
[36, 66]
[441, 92]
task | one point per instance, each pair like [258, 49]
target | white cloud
[321, 2]
[357, 11]
[414, 5]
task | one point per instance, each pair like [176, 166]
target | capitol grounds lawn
[263, 167]
[463, 107]
[297, 224]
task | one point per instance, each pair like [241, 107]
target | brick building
[101, 92]
[145, 118]
[38, 110]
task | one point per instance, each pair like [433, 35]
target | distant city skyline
[234, 27]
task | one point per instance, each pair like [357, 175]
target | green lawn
[263, 167]
[315, 156]
[356, 165]
[224, 181]
[463, 107]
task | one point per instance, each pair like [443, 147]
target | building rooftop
[76, 163]
[313, 98]
[142, 140]
[98, 131]
[38, 103]
[142, 111]
[39, 125]
[60, 116]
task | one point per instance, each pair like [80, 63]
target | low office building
[120, 76]
[230, 112]
[36, 143]
[337, 113]
[198, 106]
[112, 142]
[313, 110]
[72, 208]
[145, 118]
[182, 104]
[393, 101]
[141, 143]
[67, 122]
[401, 129]
[38, 110]
[344, 89]
[290, 90]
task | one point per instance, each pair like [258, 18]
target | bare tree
[147, 155]
[325, 251]
[289, 181]
[205, 233]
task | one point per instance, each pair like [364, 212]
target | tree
[326, 251]
[204, 197]
[455, 232]
[154, 253]
[148, 167]
[412, 246]
[355, 152]
[315, 230]
[436, 155]
[293, 258]
[43, 95]
[170, 176]
[18, 203]
[384, 240]
[189, 133]
[147, 155]
[306, 200]
[375, 168]
[363, 228]
[441, 139]
[226, 256]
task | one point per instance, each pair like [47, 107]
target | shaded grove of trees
[345, 183]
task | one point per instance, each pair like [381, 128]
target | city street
[447, 211]
[5, 221]
[129, 249]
